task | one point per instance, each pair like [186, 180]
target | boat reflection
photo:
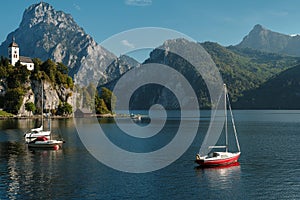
[232, 165]
[220, 177]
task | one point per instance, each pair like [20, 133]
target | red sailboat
[221, 158]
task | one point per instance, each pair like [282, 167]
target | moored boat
[221, 158]
[43, 142]
[218, 158]
[34, 133]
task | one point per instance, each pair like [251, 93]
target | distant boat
[37, 132]
[44, 143]
[136, 117]
[221, 158]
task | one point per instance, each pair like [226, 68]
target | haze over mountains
[260, 57]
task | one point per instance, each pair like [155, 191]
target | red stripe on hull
[218, 162]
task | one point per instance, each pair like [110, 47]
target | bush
[64, 109]
[109, 98]
[29, 106]
[101, 107]
[14, 99]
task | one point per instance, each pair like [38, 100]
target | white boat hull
[46, 144]
[218, 158]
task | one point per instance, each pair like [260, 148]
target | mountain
[149, 94]
[266, 40]
[241, 69]
[118, 67]
[46, 33]
[280, 92]
[246, 69]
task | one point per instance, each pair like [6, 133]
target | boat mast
[233, 124]
[225, 112]
[42, 105]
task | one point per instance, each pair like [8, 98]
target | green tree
[62, 68]
[109, 98]
[50, 68]
[64, 109]
[13, 100]
[68, 108]
[70, 82]
[100, 106]
[4, 61]
[23, 74]
[29, 106]
[3, 72]
[60, 78]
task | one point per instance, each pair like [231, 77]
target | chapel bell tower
[13, 52]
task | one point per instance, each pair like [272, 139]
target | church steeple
[13, 52]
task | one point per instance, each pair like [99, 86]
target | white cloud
[138, 2]
[127, 44]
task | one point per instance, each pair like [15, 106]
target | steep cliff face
[46, 33]
[51, 95]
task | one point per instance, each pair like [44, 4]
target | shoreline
[115, 115]
[61, 117]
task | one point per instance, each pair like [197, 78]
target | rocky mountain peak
[44, 13]
[38, 13]
[47, 33]
[263, 39]
[258, 27]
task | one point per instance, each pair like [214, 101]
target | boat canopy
[37, 129]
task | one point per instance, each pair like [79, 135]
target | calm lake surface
[269, 166]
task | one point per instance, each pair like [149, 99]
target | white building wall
[14, 55]
[30, 66]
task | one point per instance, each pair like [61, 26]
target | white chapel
[14, 56]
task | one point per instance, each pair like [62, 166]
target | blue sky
[225, 22]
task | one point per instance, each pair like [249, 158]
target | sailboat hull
[218, 159]
[44, 143]
[49, 144]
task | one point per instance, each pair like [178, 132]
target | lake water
[269, 166]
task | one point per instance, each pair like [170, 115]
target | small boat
[43, 142]
[40, 138]
[221, 158]
[136, 117]
[218, 159]
[37, 132]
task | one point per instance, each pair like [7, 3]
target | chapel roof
[25, 59]
[13, 44]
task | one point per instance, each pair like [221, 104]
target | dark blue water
[269, 166]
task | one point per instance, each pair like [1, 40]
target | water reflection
[72, 173]
[24, 171]
[221, 177]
